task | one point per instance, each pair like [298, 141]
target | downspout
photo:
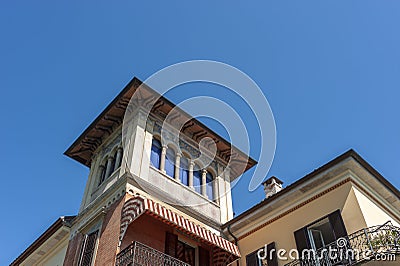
[235, 239]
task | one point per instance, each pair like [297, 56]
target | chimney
[272, 186]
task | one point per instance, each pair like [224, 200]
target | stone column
[102, 174]
[118, 158]
[177, 165]
[162, 159]
[204, 182]
[109, 166]
[215, 190]
[191, 166]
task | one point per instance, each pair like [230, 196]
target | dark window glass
[184, 171]
[155, 153]
[120, 158]
[102, 174]
[209, 186]
[186, 253]
[170, 162]
[321, 233]
[197, 179]
[252, 259]
[112, 166]
[269, 259]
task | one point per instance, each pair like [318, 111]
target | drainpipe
[235, 239]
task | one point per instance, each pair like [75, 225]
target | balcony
[361, 247]
[138, 254]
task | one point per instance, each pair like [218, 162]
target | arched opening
[112, 166]
[102, 173]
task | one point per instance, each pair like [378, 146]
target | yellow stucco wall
[352, 214]
[358, 212]
[281, 231]
[372, 212]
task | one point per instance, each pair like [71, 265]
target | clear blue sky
[330, 70]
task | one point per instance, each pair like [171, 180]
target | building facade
[345, 199]
[153, 197]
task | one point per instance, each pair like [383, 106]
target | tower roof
[112, 116]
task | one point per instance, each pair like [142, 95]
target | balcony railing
[138, 254]
[361, 246]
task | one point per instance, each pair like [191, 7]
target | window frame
[93, 251]
[338, 228]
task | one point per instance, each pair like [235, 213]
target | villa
[149, 202]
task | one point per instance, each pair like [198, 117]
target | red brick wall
[73, 250]
[148, 231]
[145, 229]
[151, 232]
[109, 234]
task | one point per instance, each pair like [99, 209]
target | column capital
[164, 149]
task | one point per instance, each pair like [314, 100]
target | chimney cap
[269, 181]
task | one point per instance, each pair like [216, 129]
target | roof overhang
[87, 143]
[350, 163]
[44, 243]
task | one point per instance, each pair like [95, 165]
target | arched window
[102, 174]
[112, 166]
[119, 162]
[209, 186]
[197, 178]
[184, 170]
[119, 153]
[170, 162]
[155, 154]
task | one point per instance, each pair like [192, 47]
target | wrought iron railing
[138, 254]
[363, 245]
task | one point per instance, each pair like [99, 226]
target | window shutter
[251, 259]
[337, 224]
[204, 257]
[171, 243]
[272, 259]
[88, 247]
[301, 238]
